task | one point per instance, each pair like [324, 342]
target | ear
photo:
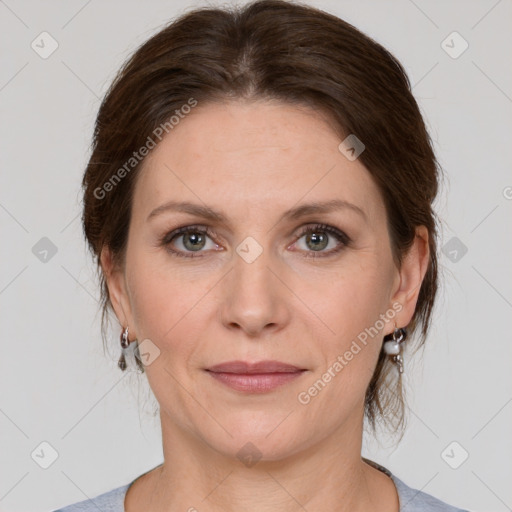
[117, 290]
[410, 276]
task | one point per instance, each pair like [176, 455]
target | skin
[253, 161]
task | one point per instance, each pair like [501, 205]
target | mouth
[259, 377]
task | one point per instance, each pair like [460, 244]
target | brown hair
[294, 53]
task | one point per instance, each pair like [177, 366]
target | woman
[259, 201]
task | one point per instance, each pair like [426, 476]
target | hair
[295, 54]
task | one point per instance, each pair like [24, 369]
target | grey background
[58, 387]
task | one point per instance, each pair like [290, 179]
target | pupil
[195, 239]
[319, 241]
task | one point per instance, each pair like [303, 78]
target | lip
[259, 377]
[245, 367]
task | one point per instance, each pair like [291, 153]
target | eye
[318, 237]
[191, 239]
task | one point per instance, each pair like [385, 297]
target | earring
[125, 342]
[393, 347]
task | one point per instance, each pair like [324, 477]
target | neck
[329, 473]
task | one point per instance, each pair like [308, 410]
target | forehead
[236, 156]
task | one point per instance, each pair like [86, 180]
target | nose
[255, 299]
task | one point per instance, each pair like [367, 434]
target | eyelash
[205, 230]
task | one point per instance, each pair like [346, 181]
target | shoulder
[111, 501]
[413, 500]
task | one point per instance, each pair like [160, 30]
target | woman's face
[256, 286]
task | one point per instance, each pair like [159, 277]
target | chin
[268, 438]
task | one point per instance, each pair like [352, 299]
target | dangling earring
[393, 347]
[124, 345]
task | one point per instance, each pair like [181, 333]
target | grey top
[411, 500]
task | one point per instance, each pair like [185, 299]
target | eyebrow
[293, 214]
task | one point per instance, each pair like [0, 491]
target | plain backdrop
[64, 404]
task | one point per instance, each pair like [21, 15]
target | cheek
[354, 309]
[157, 300]
[351, 353]
[167, 306]
[357, 297]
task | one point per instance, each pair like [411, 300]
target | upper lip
[245, 367]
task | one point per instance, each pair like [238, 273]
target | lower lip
[255, 383]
